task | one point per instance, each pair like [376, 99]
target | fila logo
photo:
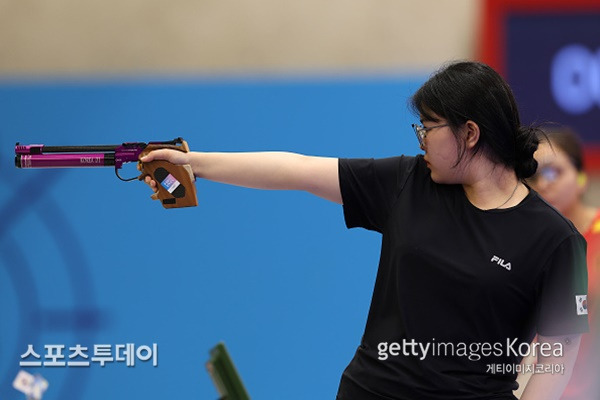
[501, 262]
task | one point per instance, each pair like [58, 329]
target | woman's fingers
[172, 156]
[151, 182]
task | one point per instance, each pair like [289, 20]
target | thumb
[161, 154]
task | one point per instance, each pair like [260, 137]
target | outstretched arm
[261, 170]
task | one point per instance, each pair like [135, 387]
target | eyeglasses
[549, 173]
[421, 132]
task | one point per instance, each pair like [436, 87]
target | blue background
[88, 259]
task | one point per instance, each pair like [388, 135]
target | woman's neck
[491, 186]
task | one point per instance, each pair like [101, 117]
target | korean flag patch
[581, 304]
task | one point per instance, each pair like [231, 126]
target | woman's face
[556, 178]
[441, 152]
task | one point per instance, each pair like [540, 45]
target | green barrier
[224, 374]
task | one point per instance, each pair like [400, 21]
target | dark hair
[466, 90]
[568, 141]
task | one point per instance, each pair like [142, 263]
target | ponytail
[526, 143]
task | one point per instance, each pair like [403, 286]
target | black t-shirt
[458, 289]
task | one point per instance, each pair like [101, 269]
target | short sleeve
[370, 187]
[563, 290]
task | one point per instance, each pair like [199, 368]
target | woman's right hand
[173, 156]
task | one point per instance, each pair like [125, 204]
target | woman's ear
[471, 134]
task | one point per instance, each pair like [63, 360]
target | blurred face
[556, 177]
[441, 152]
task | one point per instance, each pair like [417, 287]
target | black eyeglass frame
[421, 132]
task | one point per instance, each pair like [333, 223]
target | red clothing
[585, 381]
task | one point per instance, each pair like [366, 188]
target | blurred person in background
[562, 181]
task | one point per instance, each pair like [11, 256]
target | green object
[224, 374]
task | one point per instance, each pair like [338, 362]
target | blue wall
[87, 259]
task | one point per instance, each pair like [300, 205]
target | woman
[562, 181]
[473, 262]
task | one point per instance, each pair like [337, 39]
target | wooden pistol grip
[175, 183]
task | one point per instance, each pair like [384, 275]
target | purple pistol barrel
[42, 156]
[64, 160]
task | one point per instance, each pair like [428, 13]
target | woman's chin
[434, 176]
[437, 178]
